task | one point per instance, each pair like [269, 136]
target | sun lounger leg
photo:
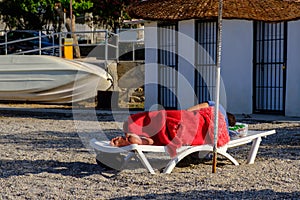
[229, 157]
[145, 161]
[127, 159]
[254, 150]
[168, 169]
[203, 154]
[173, 162]
[129, 156]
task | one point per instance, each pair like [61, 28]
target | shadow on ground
[219, 194]
[87, 115]
[22, 167]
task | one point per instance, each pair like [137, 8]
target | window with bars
[270, 44]
[206, 59]
[167, 65]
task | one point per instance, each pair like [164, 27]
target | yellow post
[68, 48]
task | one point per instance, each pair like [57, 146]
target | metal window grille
[206, 60]
[269, 67]
[168, 65]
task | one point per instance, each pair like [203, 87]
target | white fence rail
[127, 44]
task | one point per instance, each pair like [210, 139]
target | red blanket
[175, 128]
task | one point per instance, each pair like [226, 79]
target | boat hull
[48, 79]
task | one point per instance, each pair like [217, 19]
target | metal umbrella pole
[217, 92]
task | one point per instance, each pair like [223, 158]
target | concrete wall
[293, 70]
[236, 65]
[186, 60]
[151, 68]
[186, 44]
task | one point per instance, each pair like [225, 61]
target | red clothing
[175, 128]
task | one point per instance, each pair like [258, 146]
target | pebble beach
[45, 155]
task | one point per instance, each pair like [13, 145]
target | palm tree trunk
[71, 28]
[75, 40]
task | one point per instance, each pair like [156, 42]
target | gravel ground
[45, 156]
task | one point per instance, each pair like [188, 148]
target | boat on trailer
[49, 79]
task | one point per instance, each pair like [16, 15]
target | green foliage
[82, 6]
[111, 13]
[78, 6]
[36, 14]
[25, 14]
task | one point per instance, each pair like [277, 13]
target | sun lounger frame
[139, 150]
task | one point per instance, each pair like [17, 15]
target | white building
[260, 61]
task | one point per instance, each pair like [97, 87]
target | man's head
[231, 119]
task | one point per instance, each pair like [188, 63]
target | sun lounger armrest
[252, 135]
[105, 146]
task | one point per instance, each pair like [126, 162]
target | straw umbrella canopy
[176, 10]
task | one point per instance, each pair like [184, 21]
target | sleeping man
[175, 128]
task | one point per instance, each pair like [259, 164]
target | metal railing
[102, 44]
[131, 44]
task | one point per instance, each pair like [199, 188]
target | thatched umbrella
[175, 10]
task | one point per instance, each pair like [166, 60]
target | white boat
[48, 79]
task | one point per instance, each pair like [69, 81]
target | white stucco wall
[236, 62]
[236, 71]
[293, 70]
[186, 47]
[151, 77]
[236, 65]
[186, 60]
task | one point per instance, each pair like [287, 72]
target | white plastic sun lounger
[253, 136]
